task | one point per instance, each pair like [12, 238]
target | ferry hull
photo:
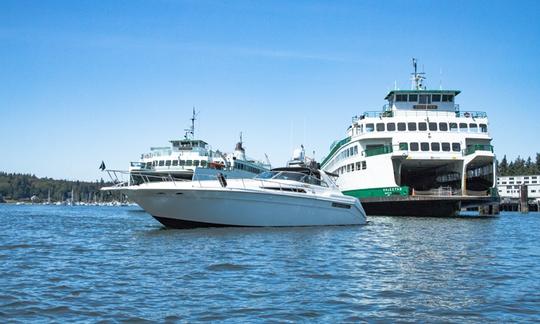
[413, 208]
[214, 208]
[428, 206]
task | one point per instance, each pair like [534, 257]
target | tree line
[519, 166]
[15, 186]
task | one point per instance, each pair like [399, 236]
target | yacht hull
[189, 208]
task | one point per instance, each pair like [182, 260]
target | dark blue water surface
[118, 264]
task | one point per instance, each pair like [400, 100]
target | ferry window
[149, 165]
[414, 146]
[358, 164]
[401, 97]
[462, 127]
[369, 128]
[401, 127]
[161, 163]
[411, 126]
[453, 127]
[364, 166]
[182, 162]
[203, 163]
[413, 98]
[473, 128]
[154, 163]
[456, 147]
[424, 99]
[196, 162]
[433, 126]
[445, 147]
[348, 168]
[380, 127]
[483, 128]
[424, 146]
[168, 163]
[175, 162]
[404, 146]
[443, 127]
[422, 126]
[435, 147]
[447, 98]
[355, 149]
[436, 98]
[189, 162]
[391, 127]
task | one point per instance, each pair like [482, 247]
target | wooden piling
[524, 199]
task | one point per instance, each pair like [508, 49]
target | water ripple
[87, 264]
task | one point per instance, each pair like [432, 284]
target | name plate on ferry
[425, 106]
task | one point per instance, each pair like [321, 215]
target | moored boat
[290, 196]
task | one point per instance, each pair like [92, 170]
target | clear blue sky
[85, 81]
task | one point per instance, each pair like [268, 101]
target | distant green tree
[24, 186]
[502, 167]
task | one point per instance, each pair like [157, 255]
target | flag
[102, 166]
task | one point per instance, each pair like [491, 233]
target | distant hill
[15, 186]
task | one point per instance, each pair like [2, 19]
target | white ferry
[422, 155]
[192, 159]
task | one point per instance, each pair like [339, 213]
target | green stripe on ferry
[334, 147]
[378, 192]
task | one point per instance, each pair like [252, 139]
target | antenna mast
[417, 77]
[190, 132]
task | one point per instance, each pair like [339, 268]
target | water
[88, 264]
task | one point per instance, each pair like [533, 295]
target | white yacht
[421, 155]
[191, 158]
[290, 196]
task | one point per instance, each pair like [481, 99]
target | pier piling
[523, 199]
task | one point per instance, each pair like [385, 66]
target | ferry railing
[441, 191]
[378, 151]
[420, 113]
[478, 147]
[471, 114]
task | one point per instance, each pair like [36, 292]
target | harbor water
[88, 264]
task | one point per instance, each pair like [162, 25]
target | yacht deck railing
[117, 177]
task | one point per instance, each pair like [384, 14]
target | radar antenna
[190, 132]
[417, 77]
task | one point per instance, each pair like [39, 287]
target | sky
[86, 81]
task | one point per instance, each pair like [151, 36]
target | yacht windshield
[266, 175]
[294, 176]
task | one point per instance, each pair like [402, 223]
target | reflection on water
[105, 263]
